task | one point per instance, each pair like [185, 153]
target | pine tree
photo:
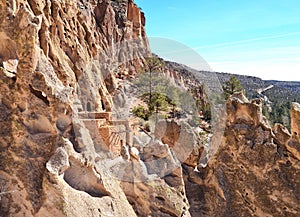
[233, 85]
[153, 64]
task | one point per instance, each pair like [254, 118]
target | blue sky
[260, 38]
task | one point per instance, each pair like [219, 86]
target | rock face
[295, 121]
[54, 59]
[293, 144]
[253, 173]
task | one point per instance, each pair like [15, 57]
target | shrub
[141, 112]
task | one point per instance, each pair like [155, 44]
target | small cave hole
[88, 107]
[103, 105]
[39, 95]
[160, 198]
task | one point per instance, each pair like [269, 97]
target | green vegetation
[151, 86]
[233, 85]
[156, 104]
[277, 104]
[275, 112]
[278, 112]
[163, 98]
[280, 105]
[141, 112]
[153, 64]
[119, 1]
[206, 112]
[160, 95]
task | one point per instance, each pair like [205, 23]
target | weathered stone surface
[247, 176]
[180, 137]
[156, 198]
[281, 133]
[54, 54]
[295, 120]
[59, 162]
[293, 145]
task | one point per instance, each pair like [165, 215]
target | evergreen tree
[233, 85]
[157, 103]
[154, 65]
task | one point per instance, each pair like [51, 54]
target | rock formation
[255, 171]
[293, 144]
[54, 61]
[65, 151]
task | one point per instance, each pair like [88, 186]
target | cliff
[255, 171]
[66, 72]
[55, 55]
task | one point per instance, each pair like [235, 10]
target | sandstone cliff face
[51, 54]
[253, 173]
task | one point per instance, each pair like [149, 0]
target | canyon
[70, 147]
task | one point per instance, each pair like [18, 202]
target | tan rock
[11, 65]
[156, 198]
[293, 145]
[295, 120]
[282, 134]
[51, 48]
[248, 175]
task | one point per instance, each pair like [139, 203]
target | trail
[261, 90]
